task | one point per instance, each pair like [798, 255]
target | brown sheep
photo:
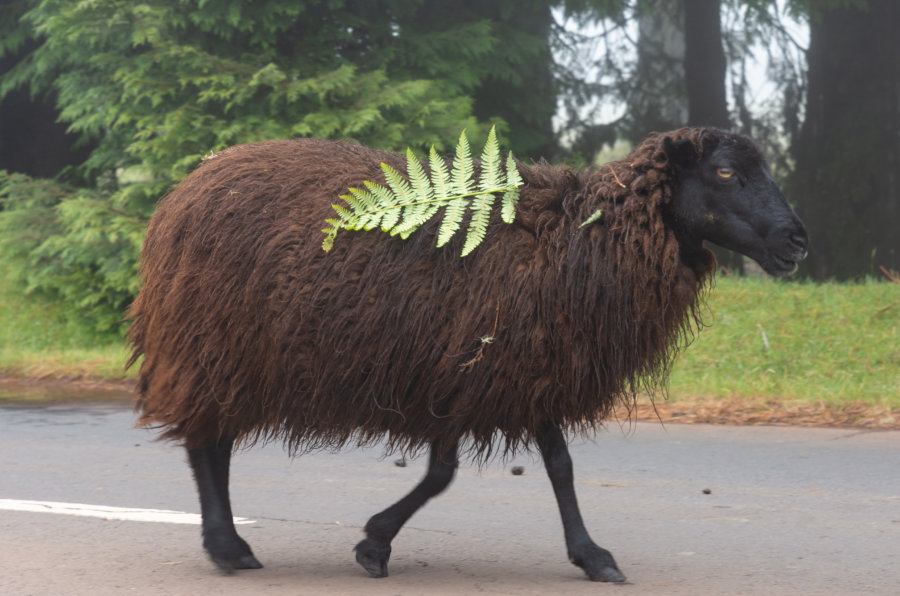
[249, 332]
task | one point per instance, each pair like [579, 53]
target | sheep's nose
[800, 241]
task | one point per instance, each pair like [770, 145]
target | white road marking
[108, 512]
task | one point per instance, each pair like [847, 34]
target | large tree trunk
[704, 76]
[704, 64]
[528, 103]
[845, 183]
[519, 84]
[658, 101]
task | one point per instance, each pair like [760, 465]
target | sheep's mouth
[779, 266]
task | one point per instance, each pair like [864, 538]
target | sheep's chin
[779, 267]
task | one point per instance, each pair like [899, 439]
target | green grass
[38, 340]
[797, 342]
[827, 343]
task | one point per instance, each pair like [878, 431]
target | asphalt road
[788, 511]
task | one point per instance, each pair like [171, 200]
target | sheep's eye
[725, 172]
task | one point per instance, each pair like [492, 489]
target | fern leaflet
[463, 168]
[481, 214]
[511, 196]
[592, 218]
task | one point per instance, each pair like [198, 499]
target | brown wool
[248, 329]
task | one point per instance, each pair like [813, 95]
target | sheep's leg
[597, 562]
[220, 539]
[375, 550]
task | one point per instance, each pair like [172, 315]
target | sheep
[246, 331]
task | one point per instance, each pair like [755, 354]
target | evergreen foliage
[154, 86]
[157, 85]
[407, 203]
[71, 244]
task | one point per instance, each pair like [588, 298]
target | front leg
[221, 541]
[374, 551]
[597, 562]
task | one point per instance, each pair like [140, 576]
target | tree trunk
[658, 101]
[515, 81]
[704, 64]
[845, 182]
[529, 103]
[704, 76]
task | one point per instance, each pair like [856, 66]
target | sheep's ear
[681, 153]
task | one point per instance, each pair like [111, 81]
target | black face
[728, 196]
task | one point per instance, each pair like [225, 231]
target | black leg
[220, 539]
[375, 550]
[597, 562]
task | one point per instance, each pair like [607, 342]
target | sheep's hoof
[229, 552]
[598, 563]
[229, 565]
[373, 556]
[607, 574]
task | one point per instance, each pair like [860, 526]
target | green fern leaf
[508, 205]
[343, 211]
[417, 211]
[364, 197]
[419, 181]
[481, 215]
[453, 216]
[592, 218]
[440, 176]
[390, 210]
[330, 233]
[513, 178]
[463, 167]
[511, 197]
[402, 191]
[490, 163]
[405, 204]
[369, 216]
[352, 201]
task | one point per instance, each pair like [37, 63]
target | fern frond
[403, 194]
[407, 203]
[417, 211]
[453, 216]
[345, 213]
[440, 175]
[592, 218]
[419, 181]
[481, 215]
[513, 178]
[387, 205]
[511, 197]
[490, 164]
[508, 205]
[369, 216]
[330, 232]
[463, 167]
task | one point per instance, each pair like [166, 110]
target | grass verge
[797, 343]
[38, 341]
[768, 344]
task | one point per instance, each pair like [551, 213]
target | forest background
[108, 103]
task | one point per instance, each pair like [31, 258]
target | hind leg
[597, 562]
[375, 550]
[221, 541]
